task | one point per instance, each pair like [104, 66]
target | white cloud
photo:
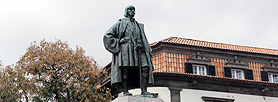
[83, 23]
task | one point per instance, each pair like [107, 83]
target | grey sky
[84, 22]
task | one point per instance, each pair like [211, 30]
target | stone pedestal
[136, 99]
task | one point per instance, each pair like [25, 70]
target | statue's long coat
[111, 42]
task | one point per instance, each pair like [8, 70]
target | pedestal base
[136, 99]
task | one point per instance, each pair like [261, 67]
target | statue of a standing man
[127, 41]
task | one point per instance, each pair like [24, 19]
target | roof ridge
[226, 43]
[171, 37]
[235, 47]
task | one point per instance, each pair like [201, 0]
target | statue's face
[131, 12]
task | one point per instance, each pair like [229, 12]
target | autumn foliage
[52, 71]
[8, 86]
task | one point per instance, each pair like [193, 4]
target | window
[237, 73]
[273, 77]
[199, 69]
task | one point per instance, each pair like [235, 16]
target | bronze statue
[131, 62]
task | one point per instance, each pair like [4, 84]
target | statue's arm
[146, 43]
[111, 39]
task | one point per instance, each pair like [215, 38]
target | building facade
[187, 70]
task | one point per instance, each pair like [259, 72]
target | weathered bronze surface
[131, 62]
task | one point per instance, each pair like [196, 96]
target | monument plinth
[136, 99]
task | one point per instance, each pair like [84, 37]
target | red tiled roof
[217, 78]
[108, 80]
[185, 41]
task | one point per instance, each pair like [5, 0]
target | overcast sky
[84, 22]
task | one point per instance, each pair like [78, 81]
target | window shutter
[248, 74]
[211, 70]
[188, 68]
[264, 75]
[227, 72]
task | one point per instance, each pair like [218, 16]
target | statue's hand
[138, 46]
[123, 40]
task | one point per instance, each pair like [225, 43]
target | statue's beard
[131, 15]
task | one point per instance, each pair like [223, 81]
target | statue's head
[130, 11]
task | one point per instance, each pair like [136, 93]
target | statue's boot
[144, 87]
[125, 88]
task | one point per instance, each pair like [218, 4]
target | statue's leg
[144, 82]
[125, 82]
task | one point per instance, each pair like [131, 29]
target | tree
[13, 85]
[54, 72]
[1, 69]
[8, 86]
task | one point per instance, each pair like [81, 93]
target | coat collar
[128, 19]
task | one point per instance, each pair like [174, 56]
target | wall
[174, 62]
[195, 96]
